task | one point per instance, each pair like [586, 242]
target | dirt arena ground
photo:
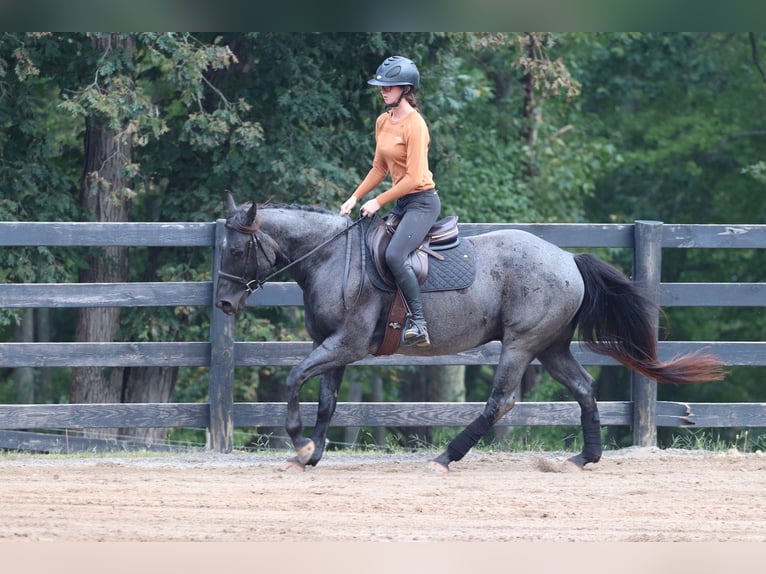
[632, 495]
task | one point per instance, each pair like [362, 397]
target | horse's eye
[237, 252]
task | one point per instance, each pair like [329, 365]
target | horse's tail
[615, 319]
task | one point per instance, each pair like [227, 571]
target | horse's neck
[298, 232]
[301, 228]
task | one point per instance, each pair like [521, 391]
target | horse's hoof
[570, 465]
[547, 465]
[437, 467]
[293, 465]
[304, 453]
[580, 460]
[576, 461]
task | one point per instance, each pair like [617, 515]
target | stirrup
[416, 335]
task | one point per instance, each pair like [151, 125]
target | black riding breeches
[418, 212]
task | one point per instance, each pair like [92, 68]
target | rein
[257, 244]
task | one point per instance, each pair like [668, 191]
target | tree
[109, 85]
[525, 127]
[105, 198]
[38, 181]
[685, 113]
[521, 150]
[269, 115]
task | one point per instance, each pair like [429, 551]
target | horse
[526, 293]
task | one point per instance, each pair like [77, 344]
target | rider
[401, 149]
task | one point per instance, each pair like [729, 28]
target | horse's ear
[231, 206]
[251, 215]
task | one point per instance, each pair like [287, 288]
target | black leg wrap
[470, 435]
[591, 434]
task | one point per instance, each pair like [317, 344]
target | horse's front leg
[329, 385]
[304, 447]
[329, 360]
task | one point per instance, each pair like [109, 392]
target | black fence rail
[221, 354]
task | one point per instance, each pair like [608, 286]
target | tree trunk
[414, 389]
[613, 384]
[378, 433]
[24, 377]
[103, 199]
[446, 384]
[531, 113]
[433, 383]
[43, 335]
[531, 377]
[351, 434]
[148, 385]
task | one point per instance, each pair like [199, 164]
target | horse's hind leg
[562, 366]
[506, 383]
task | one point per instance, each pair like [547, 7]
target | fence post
[647, 268]
[221, 386]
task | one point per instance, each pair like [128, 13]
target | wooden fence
[221, 353]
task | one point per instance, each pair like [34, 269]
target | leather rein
[254, 245]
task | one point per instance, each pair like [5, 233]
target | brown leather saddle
[442, 235]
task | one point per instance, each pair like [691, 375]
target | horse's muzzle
[226, 306]
[230, 301]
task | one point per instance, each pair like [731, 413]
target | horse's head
[248, 254]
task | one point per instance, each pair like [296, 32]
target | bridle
[254, 245]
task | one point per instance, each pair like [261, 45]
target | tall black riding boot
[416, 332]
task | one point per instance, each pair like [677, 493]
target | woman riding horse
[401, 149]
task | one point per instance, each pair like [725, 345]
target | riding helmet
[396, 71]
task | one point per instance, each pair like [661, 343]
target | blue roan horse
[527, 293]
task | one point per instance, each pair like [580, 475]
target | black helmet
[396, 71]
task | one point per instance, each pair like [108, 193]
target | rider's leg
[418, 213]
[416, 332]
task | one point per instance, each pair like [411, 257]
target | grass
[517, 439]
[743, 441]
[85, 454]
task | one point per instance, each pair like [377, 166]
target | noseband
[254, 245]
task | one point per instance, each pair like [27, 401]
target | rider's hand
[370, 207]
[348, 205]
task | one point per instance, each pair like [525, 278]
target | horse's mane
[239, 218]
[294, 207]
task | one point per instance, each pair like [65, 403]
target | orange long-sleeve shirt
[401, 149]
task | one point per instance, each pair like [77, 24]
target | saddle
[443, 235]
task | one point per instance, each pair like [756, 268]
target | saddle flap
[378, 242]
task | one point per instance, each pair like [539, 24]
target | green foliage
[682, 109]
[618, 127]
[757, 171]
[59, 83]
[498, 165]
[37, 178]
